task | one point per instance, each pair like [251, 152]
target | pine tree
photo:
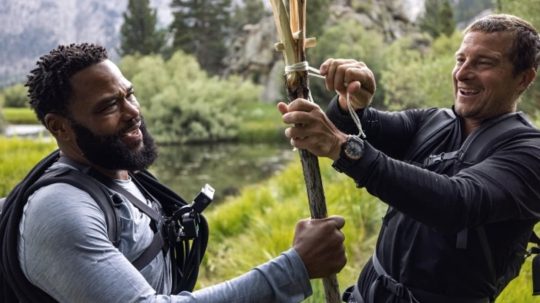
[318, 12]
[438, 18]
[200, 28]
[446, 15]
[247, 12]
[139, 33]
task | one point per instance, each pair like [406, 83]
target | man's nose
[463, 72]
[131, 109]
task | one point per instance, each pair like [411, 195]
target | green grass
[259, 224]
[17, 157]
[24, 115]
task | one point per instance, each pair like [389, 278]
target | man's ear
[527, 78]
[59, 126]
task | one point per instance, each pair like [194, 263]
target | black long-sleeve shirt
[417, 244]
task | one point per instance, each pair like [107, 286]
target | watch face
[354, 148]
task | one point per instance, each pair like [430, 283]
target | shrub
[347, 39]
[181, 103]
[419, 77]
[15, 96]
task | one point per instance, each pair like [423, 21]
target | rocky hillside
[252, 52]
[32, 27]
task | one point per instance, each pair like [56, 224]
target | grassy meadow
[17, 157]
[258, 224]
[20, 115]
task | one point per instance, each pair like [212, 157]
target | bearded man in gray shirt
[63, 247]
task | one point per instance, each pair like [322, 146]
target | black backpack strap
[535, 250]
[492, 134]
[186, 256]
[99, 193]
[485, 140]
[427, 134]
[15, 287]
[158, 243]
[535, 240]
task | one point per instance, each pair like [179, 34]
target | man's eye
[109, 106]
[131, 96]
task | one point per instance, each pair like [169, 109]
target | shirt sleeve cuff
[359, 170]
[299, 270]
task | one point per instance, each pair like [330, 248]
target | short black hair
[48, 84]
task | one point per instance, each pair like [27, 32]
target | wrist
[338, 146]
[351, 151]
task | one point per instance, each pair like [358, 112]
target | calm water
[226, 167]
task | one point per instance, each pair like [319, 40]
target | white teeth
[468, 92]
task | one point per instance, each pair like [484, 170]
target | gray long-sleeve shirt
[64, 250]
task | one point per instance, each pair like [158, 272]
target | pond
[226, 167]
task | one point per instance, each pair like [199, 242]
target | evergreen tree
[139, 33]
[438, 18]
[200, 28]
[248, 12]
[317, 12]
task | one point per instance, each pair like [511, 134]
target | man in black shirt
[455, 230]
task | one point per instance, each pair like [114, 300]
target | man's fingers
[338, 220]
[361, 73]
[298, 118]
[282, 108]
[301, 105]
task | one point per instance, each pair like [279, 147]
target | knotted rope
[304, 66]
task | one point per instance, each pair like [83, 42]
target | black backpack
[476, 148]
[14, 287]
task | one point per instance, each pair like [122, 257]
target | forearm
[283, 279]
[484, 193]
[389, 132]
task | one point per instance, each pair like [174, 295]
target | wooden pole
[292, 32]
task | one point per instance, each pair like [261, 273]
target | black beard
[111, 153]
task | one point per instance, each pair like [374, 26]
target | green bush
[15, 96]
[181, 103]
[420, 77]
[347, 39]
